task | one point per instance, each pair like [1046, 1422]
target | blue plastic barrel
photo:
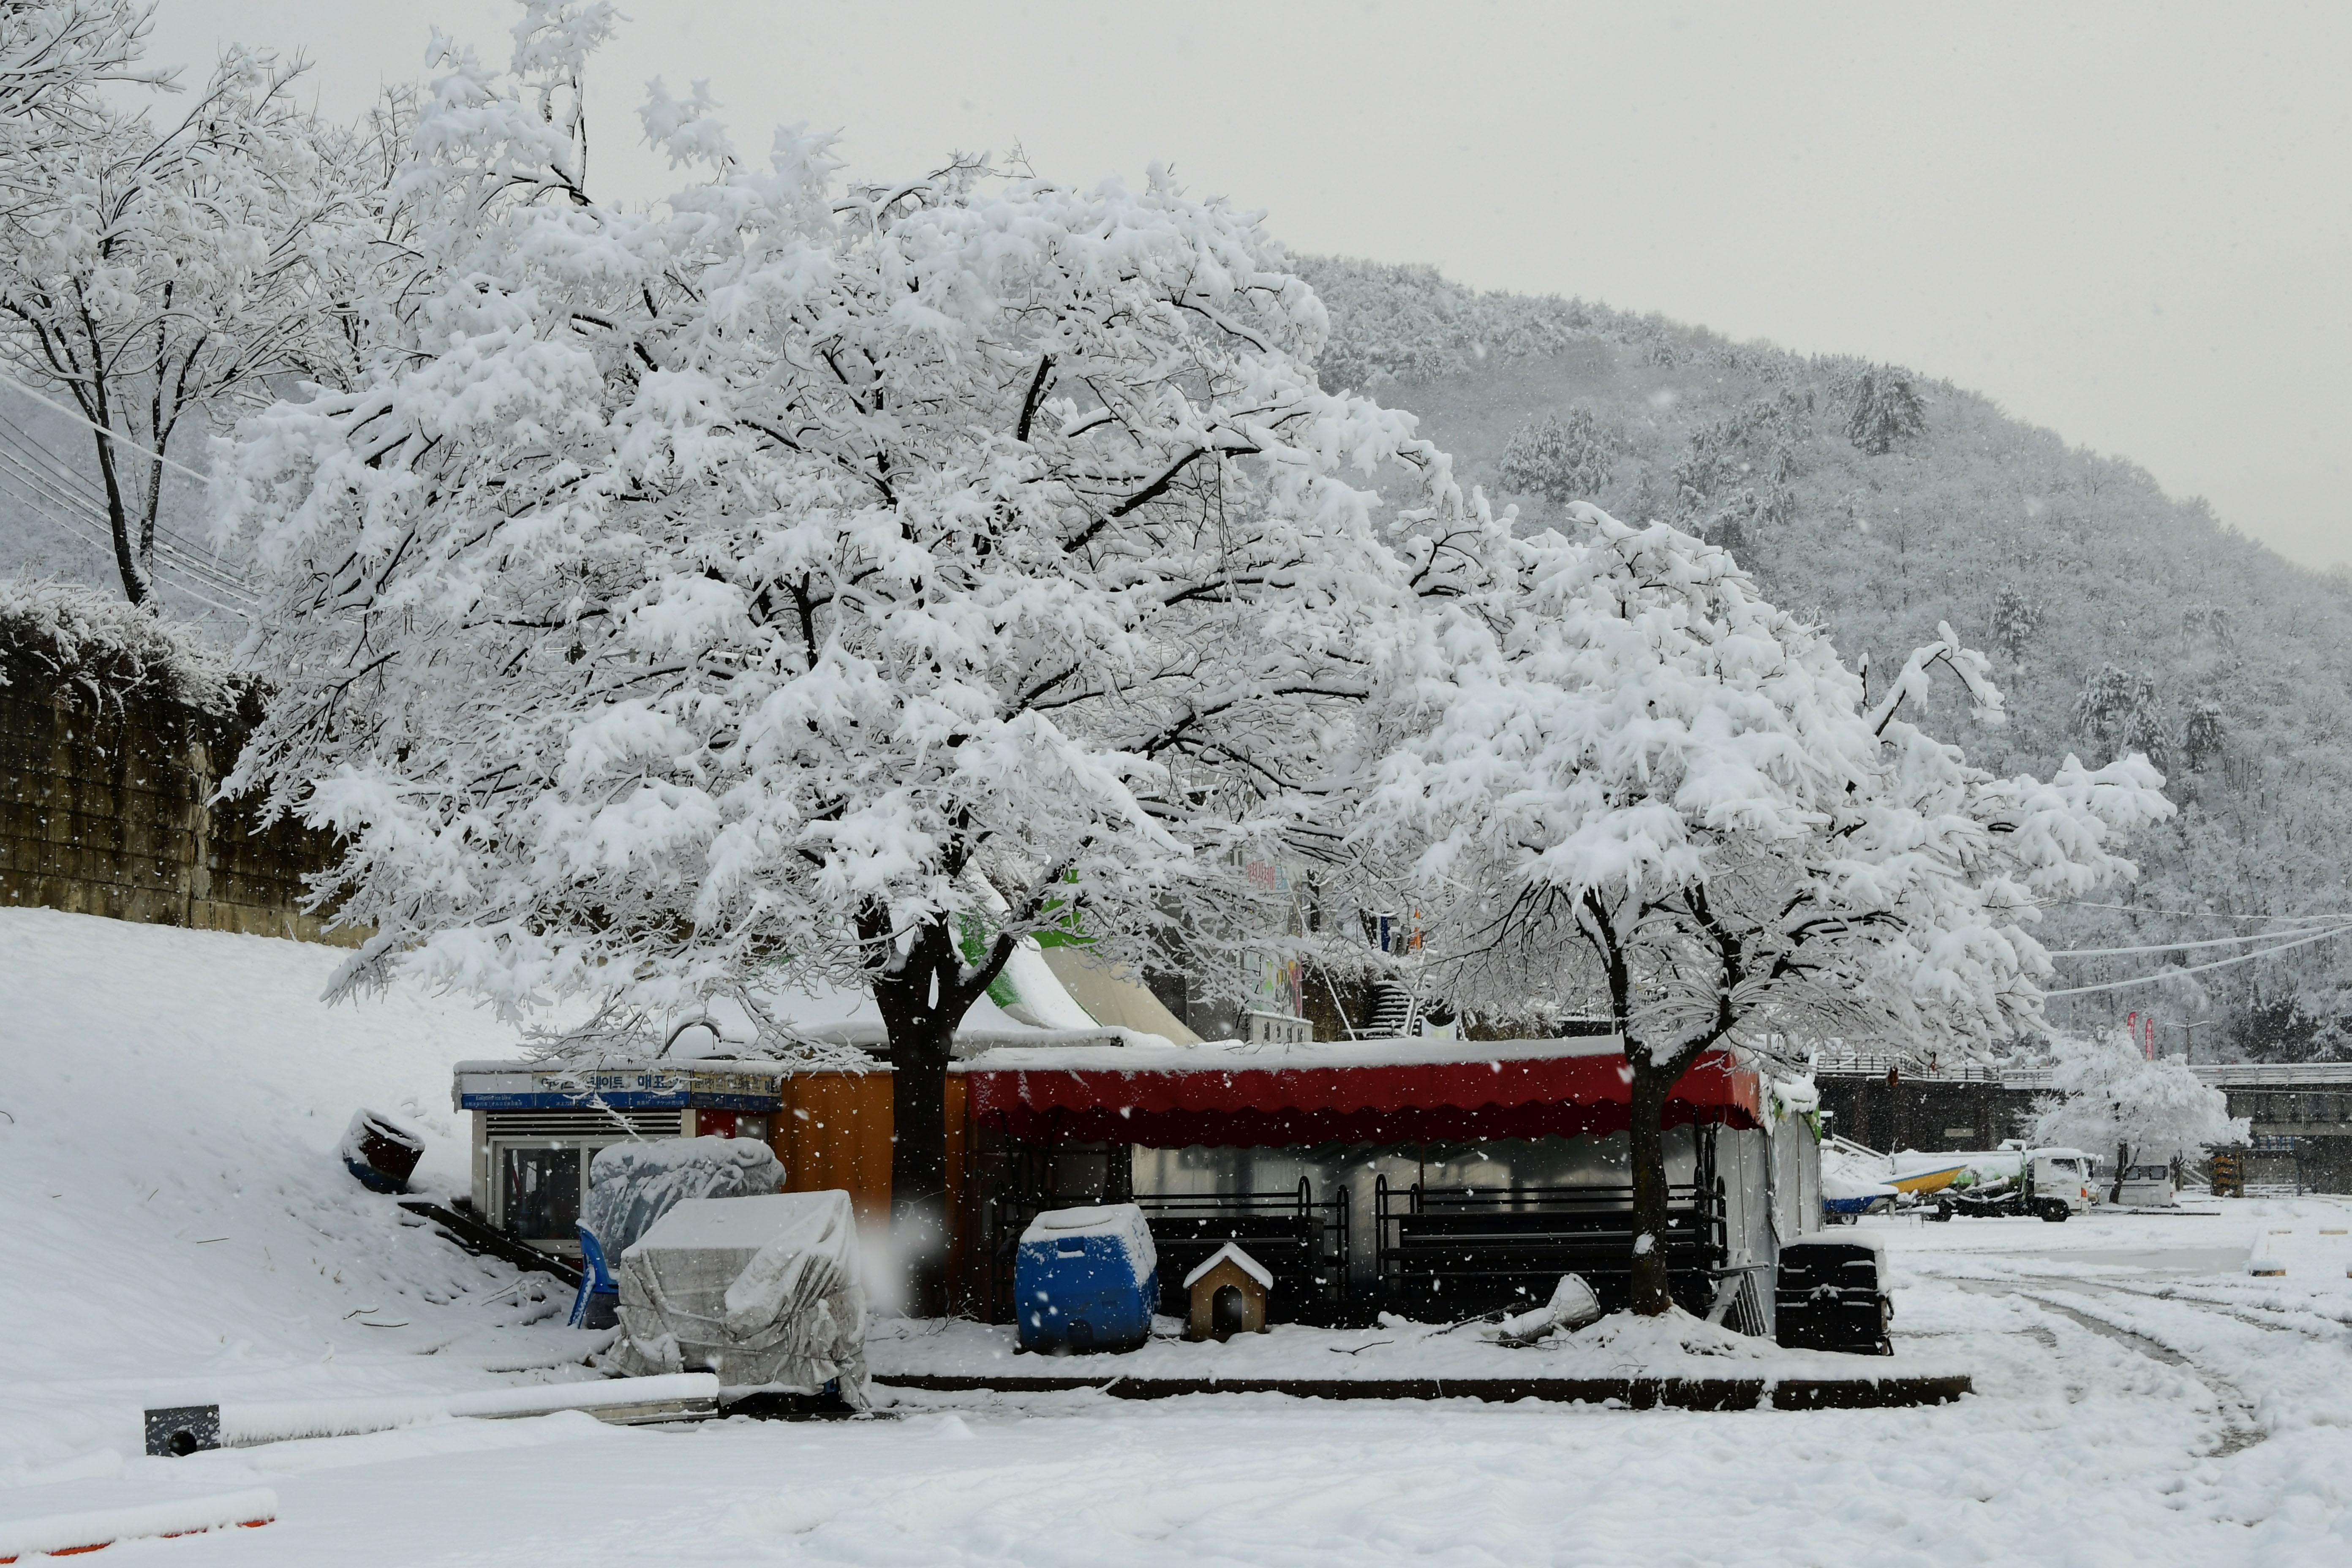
[1086, 1280]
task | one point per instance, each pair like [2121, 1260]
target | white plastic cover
[764, 1291]
[630, 1185]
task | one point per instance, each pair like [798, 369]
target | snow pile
[630, 1185]
[71, 1534]
[1669, 1341]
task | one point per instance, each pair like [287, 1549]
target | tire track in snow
[2240, 1431]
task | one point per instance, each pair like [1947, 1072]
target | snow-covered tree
[1645, 782]
[2119, 710]
[1884, 411]
[1559, 459]
[150, 270]
[775, 583]
[57, 55]
[2111, 1099]
[2208, 731]
[2016, 617]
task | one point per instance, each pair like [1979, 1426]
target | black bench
[1457, 1255]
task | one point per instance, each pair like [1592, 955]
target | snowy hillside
[177, 1219]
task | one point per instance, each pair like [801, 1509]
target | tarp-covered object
[1361, 1091]
[630, 1185]
[760, 1290]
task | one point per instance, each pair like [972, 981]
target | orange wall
[833, 1130]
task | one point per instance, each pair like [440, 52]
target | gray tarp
[762, 1290]
[630, 1185]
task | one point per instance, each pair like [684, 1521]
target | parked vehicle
[2149, 1187]
[2048, 1184]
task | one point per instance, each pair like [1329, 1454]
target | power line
[2199, 968]
[2202, 914]
[112, 436]
[2177, 946]
[206, 583]
[91, 525]
[71, 488]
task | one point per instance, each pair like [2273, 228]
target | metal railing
[1697, 1218]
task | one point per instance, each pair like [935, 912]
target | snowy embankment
[179, 1227]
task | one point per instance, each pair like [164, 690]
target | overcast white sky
[2130, 223]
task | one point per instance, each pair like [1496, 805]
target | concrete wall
[1923, 1114]
[103, 811]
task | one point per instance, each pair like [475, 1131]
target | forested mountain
[1881, 503]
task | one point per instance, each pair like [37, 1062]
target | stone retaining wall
[103, 811]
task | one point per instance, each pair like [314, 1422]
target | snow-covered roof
[1145, 1053]
[748, 1065]
[1229, 1253]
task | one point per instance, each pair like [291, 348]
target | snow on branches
[2111, 1099]
[1648, 787]
[1652, 770]
[156, 270]
[774, 580]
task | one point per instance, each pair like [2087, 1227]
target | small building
[538, 1128]
[1432, 1178]
[1228, 1291]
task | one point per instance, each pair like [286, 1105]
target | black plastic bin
[1831, 1296]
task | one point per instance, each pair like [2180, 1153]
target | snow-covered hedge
[66, 636]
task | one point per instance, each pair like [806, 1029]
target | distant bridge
[2300, 1113]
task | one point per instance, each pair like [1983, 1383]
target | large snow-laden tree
[787, 581]
[2148, 1111]
[1650, 790]
[152, 268]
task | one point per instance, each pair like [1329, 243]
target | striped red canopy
[1221, 1101]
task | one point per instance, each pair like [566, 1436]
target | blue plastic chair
[598, 1304]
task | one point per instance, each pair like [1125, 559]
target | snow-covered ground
[178, 1229]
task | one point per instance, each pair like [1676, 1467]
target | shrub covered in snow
[97, 647]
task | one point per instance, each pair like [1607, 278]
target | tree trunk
[2123, 1158]
[918, 1159]
[922, 996]
[923, 993]
[1645, 1138]
[135, 567]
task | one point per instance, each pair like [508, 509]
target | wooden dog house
[1228, 1290]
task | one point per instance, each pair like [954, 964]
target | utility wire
[2199, 968]
[115, 437]
[192, 577]
[89, 524]
[2182, 946]
[2305, 918]
[73, 488]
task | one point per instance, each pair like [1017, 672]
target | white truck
[2048, 1184]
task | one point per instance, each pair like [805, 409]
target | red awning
[1228, 1105]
